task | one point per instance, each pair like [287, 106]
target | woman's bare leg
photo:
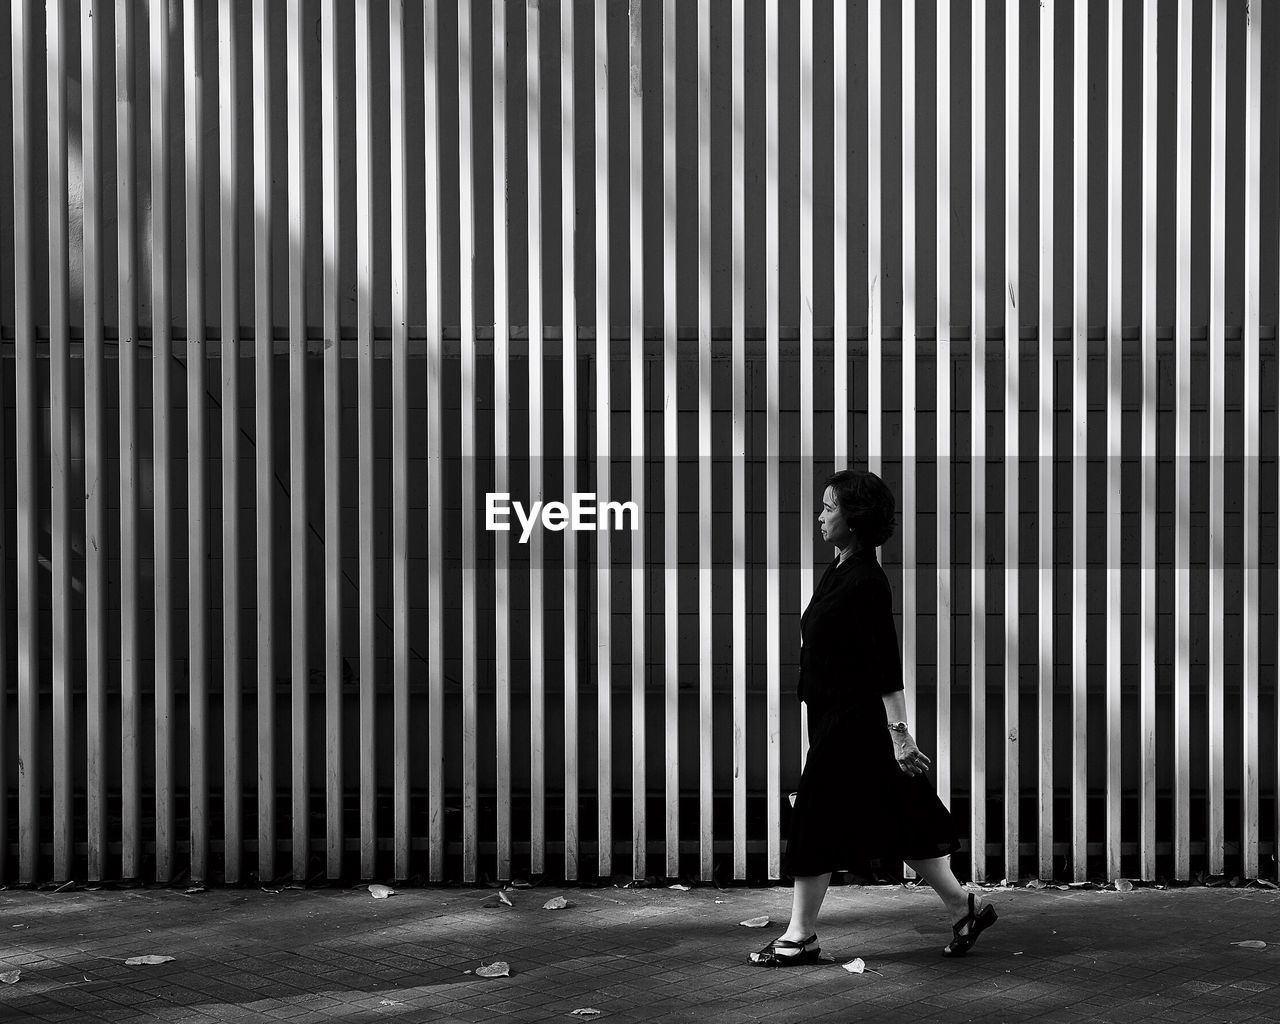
[937, 872]
[806, 901]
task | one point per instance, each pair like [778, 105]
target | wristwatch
[898, 726]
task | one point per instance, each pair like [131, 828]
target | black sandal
[968, 928]
[770, 957]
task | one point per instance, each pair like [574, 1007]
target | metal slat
[1012, 354]
[435, 526]
[399, 443]
[670, 430]
[537, 655]
[705, 663]
[264, 461]
[942, 209]
[1045, 516]
[95, 462]
[127, 284]
[1217, 358]
[1182, 451]
[60, 433]
[1147, 658]
[909, 365]
[298, 443]
[1115, 377]
[230, 369]
[804, 516]
[569, 366]
[604, 652]
[162, 493]
[635, 106]
[25, 401]
[364, 427]
[978, 456]
[467, 221]
[739, 452]
[1249, 507]
[332, 441]
[875, 255]
[1079, 443]
[502, 441]
[771, 272]
[197, 446]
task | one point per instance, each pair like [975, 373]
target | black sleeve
[877, 606]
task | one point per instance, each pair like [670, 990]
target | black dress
[855, 808]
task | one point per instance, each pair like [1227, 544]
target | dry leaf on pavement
[501, 969]
[10, 977]
[381, 892]
[555, 903]
[755, 922]
[503, 896]
[855, 966]
[1251, 944]
[150, 958]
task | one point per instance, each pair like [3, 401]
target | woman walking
[864, 800]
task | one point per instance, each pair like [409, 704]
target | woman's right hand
[911, 759]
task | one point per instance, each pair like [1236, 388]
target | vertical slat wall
[388, 300]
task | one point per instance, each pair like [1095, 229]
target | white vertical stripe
[1012, 353]
[771, 272]
[806, 516]
[399, 443]
[537, 656]
[909, 363]
[1045, 517]
[635, 182]
[60, 434]
[1115, 351]
[1147, 657]
[1079, 441]
[435, 471]
[264, 378]
[95, 465]
[978, 456]
[502, 440]
[942, 210]
[1182, 451]
[604, 653]
[1217, 360]
[298, 446]
[670, 427]
[705, 499]
[1249, 508]
[875, 270]
[364, 418]
[569, 357]
[466, 257]
[332, 444]
[229, 313]
[739, 452]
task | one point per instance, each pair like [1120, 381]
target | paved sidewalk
[652, 954]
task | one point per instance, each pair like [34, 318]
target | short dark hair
[866, 503]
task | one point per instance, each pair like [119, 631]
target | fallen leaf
[503, 896]
[1019, 953]
[855, 966]
[1124, 885]
[193, 890]
[390, 1002]
[719, 901]
[150, 958]
[10, 977]
[585, 1011]
[555, 903]
[496, 970]
[381, 892]
[1035, 883]
[1251, 944]
[274, 892]
[467, 971]
[755, 922]
[1062, 887]
[682, 888]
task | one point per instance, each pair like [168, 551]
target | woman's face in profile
[830, 522]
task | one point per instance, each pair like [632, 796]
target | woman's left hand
[911, 759]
